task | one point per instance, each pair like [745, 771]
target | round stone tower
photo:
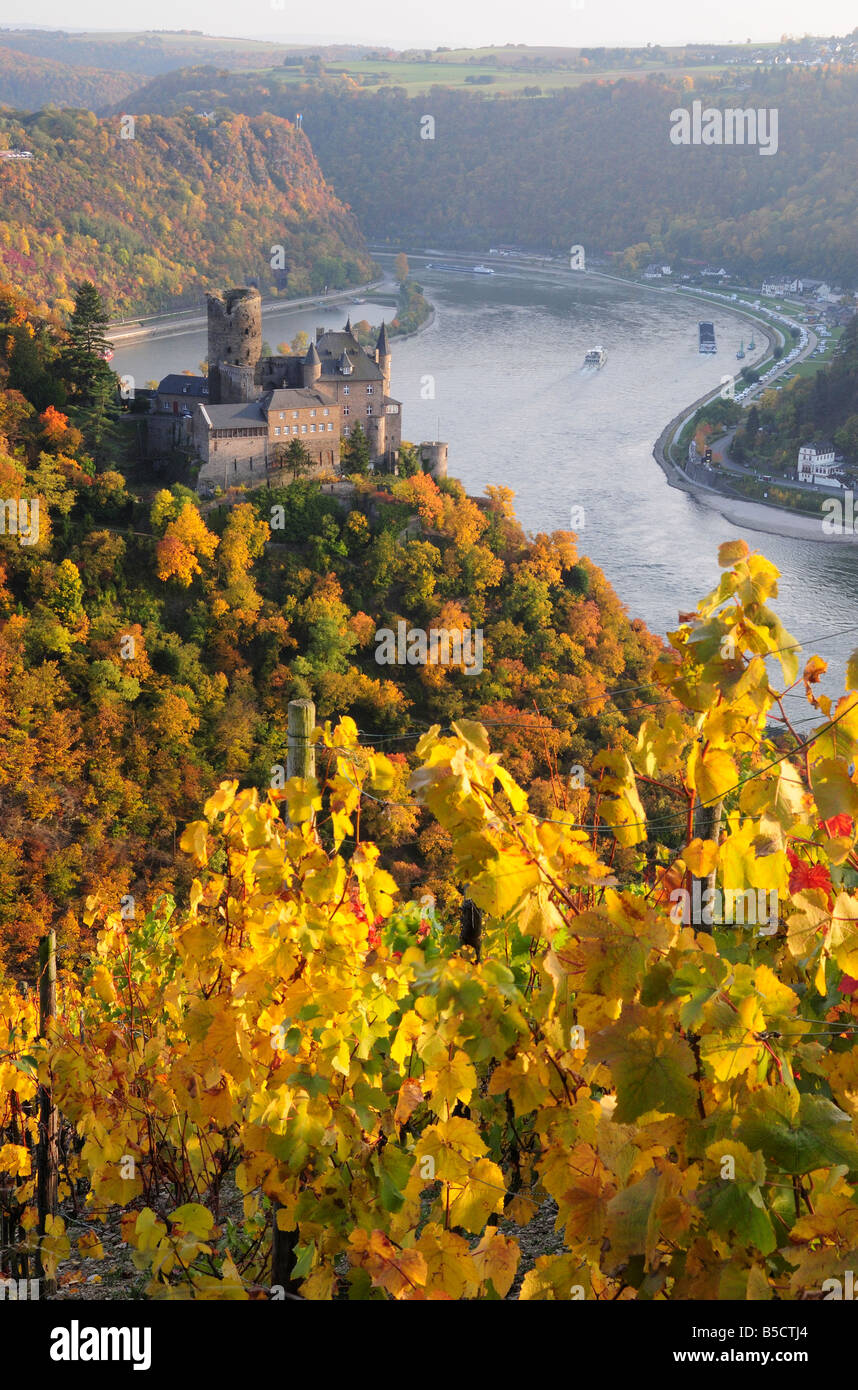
[234, 341]
[433, 457]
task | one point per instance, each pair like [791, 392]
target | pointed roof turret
[312, 359]
[349, 328]
[383, 344]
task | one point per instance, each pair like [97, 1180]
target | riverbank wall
[126, 331]
[755, 516]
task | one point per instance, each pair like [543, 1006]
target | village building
[818, 463]
[776, 287]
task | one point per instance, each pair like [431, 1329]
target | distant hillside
[156, 219]
[592, 164]
[29, 82]
[144, 53]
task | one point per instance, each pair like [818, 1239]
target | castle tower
[311, 368]
[433, 457]
[234, 343]
[384, 357]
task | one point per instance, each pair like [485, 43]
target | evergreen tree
[408, 463]
[98, 419]
[297, 459]
[84, 363]
[355, 455]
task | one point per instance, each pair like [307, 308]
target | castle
[240, 419]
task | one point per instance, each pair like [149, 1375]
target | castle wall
[165, 432]
[236, 383]
[233, 461]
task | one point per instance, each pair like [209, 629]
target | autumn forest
[534, 979]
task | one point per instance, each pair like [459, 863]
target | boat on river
[596, 357]
[706, 337]
[460, 269]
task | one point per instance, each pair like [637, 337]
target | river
[498, 374]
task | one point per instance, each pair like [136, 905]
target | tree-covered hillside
[174, 207]
[28, 81]
[148, 649]
[592, 165]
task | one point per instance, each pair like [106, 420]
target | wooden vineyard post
[471, 925]
[300, 762]
[48, 1150]
[301, 755]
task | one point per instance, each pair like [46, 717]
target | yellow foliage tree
[186, 542]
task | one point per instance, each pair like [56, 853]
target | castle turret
[234, 343]
[349, 324]
[312, 366]
[433, 458]
[384, 357]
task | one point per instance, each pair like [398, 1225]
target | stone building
[298, 412]
[246, 441]
[348, 376]
[232, 443]
[178, 393]
[239, 419]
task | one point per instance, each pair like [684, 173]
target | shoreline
[756, 516]
[763, 517]
[173, 323]
[427, 323]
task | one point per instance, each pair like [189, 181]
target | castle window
[294, 415]
[326, 411]
[346, 390]
[345, 410]
[312, 414]
[303, 429]
[276, 429]
[330, 426]
[281, 415]
[312, 429]
[369, 410]
[369, 390]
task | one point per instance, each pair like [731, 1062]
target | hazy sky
[466, 22]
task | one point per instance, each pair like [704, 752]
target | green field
[811, 366]
[418, 77]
